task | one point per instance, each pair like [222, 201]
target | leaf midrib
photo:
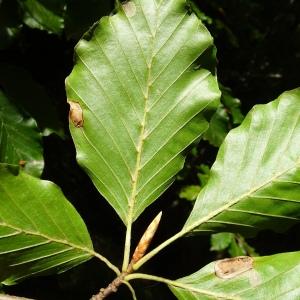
[239, 294]
[143, 134]
[51, 239]
[236, 200]
[187, 287]
[149, 82]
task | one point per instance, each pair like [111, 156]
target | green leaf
[40, 231]
[218, 127]
[30, 98]
[232, 104]
[221, 241]
[227, 116]
[200, 14]
[255, 181]
[20, 141]
[244, 246]
[203, 174]
[234, 243]
[145, 97]
[44, 14]
[272, 277]
[189, 192]
[236, 249]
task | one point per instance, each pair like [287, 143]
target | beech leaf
[143, 84]
[40, 231]
[269, 277]
[255, 182]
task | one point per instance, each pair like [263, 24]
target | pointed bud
[146, 239]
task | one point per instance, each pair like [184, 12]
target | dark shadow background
[258, 46]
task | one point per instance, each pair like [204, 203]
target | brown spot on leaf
[129, 9]
[76, 114]
[232, 267]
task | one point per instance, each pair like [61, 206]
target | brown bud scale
[146, 239]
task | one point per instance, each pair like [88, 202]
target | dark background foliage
[258, 46]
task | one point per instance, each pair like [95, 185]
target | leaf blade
[142, 108]
[43, 15]
[40, 232]
[265, 149]
[20, 140]
[273, 277]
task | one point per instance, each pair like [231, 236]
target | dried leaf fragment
[232, 267]
[76, 114]
[146, 239]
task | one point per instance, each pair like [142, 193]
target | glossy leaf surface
[145, 94]
[272, 277]
[44, 14]
[40, 231]
[20, 141]
[255, 181]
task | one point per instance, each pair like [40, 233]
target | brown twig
[139, 252]
[111, 288]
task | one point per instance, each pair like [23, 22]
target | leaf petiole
[107, 262]
[178, 284]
